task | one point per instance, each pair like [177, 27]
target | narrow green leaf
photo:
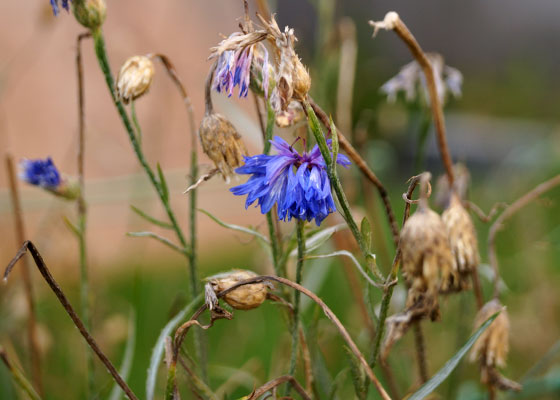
[151, 219]
[238, 228]
[157, 352]
[317, 239]
[354, 261]
[450, 365]
[18, 377]
[163, 184]
[72, 226]
[128, 356]
[161, 239]
[334, 144]
[366, 232]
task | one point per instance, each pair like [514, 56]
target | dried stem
[469, 205]
[257, 393]
[18, 377]
[392, 21]
[209, 106]
[43, 269]
[297, 296]
[330, 315]
[82, 208]
[34, 352]
[509, 212]
[420, 345]
[361, 164]
[477, 289]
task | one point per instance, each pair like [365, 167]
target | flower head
[41, 173]
[297, 183]
[411, 76]
[234, 65]
[55, 7]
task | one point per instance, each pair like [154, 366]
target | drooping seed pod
[222, 143]
[492, 347]
[134, 79]
[245, 297]
[462, 238]
[427, 261]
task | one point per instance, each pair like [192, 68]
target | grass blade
[157, 352]
[151, 219]
[450, 365]
[236, 227]
[317, 239]
[161, 239]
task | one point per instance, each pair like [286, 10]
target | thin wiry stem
[82, 209]
[420, 345]
[362, 165]
[34, 351]
[43, 269]
[258, 392]
[300, 225]
[509, 212]
[19, 377]
[393, 21]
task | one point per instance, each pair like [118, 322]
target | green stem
[135, 122]
[335, 182]
[275, 245]
[18, 377]
[297, 296]
[101, 54]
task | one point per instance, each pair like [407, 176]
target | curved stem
[402, 31]
[362, 165]
[508, 212]
[43, 269]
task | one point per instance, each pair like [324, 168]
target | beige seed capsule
[134, 79]
[301, 79]
[462, 237]
[245, 297]
[222, 143]
[427, 261]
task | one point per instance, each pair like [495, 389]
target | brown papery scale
[245, 297]
[427, 262]
[462, 238]
[222, 143]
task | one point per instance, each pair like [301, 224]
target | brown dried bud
[222, 143]
[427, 261]
[462, 237]
[134, 78]
[492, 347]
[245, 297]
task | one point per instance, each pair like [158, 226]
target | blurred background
[505, 128]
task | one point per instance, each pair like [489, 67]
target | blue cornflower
[298, 184]
[41, 173]
[54, 5]
[234, 69]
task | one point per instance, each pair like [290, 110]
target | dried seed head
[492, 346]
[302, 81]
[222, 143]
[90, 13]
[462, 238]
[427, 261]
[134, 78]
[243, 298]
